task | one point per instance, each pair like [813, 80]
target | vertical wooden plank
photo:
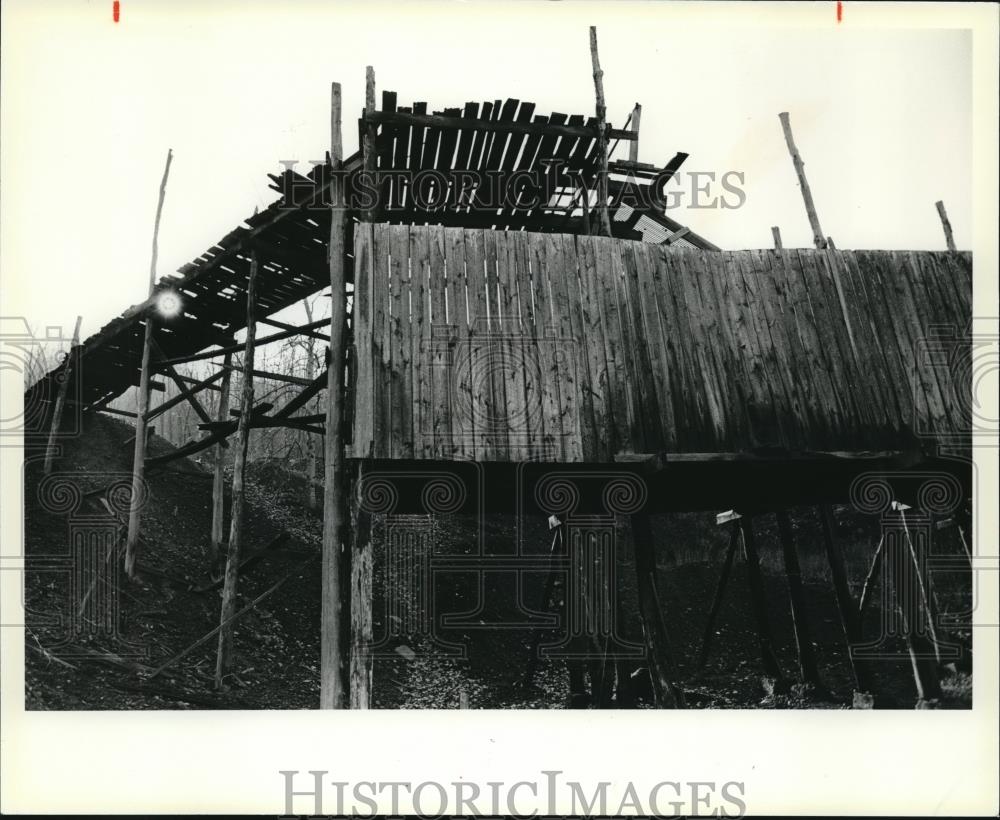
[656, 341]
[514, 344]
[593, 341]
[545, 332]
[534, 420]
[808, 668]
[566, 370]
[618, 375]
[57, 410]
[381, 341]
[218, 472]
[648, 409]
[401, 432]
[479, 352]
[362, 560]
[460, 384]
[492, 248]
[420, 336]
[362, 321]
[441, 349]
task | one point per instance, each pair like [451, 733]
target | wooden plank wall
[511, 346]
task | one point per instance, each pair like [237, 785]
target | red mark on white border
[116, 10]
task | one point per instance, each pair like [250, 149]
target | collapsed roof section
[498, 165]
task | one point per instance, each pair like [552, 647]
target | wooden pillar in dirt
[234, 553]
[731, 519]
[362, 591]
[808, 669]
[361, 556]
[218, 475]
[57, 410]
[602, 135]
[661, 666]
[333, 692]
[758, 599]
[850, 616]
[633, 147]
[946, 225]
[800, 170]
[142, 405]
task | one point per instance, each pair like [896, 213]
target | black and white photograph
[377, 371]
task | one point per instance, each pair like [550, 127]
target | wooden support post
[142, 406]
[758, 598]
[362, 594]
[57, 410]
[800, 170]
[850, 617]
[333, 669]
[633, 147]
[218, 475]
[234, 553]
[808, 668]
[776, 233]
[661, 666]
[948, 238]
[706, 640]
[368, 143]
[602, 137]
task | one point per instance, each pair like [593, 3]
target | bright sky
[882, 117]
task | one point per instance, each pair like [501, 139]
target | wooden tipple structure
[517, 329]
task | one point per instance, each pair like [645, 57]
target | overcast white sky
[883, 117]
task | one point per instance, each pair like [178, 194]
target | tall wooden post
[602, 136]
[333, 684]
[800, 169]
[946, 225]
[661, 665]
[218, 476]
[808, 668]
[234, 553]
[362, 558]
[758, 597]
[850, 617]
[776, 233]
[633, 147]
[142, 406]
[57, 410]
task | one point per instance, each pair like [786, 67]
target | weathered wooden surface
[489, 346]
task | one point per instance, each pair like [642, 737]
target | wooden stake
[758, 598]
[57, 411]
[946, 225]
[142, 406]
[218, 475]
[368, 141]
[776, 233]
[333, 686]
[808, 668]
[602, 138]
[661, 666]
[633, 147]
[849, 614]
[234, 553]
[362, 561]
[800, 170]
[720, 589]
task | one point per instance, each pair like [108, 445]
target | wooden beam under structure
[57, 411]
[142, 406]
[300, 330]
[808, 668]
[223, 662]
[186, 392]
[800, 169]
[264, 374]
[333, 683]
[238, 347]
[218, 470]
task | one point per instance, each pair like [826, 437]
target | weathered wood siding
[506, 346]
